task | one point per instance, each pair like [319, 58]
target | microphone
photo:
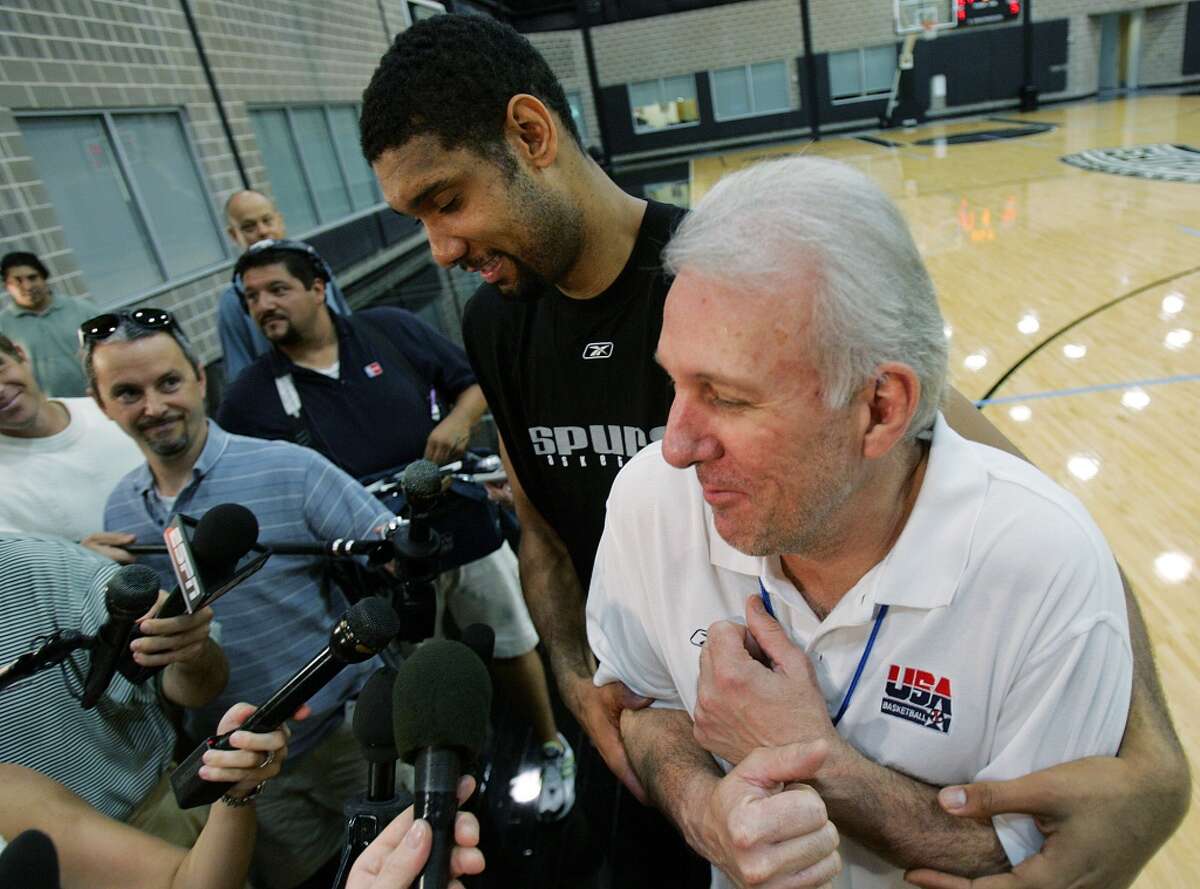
[131, 592]
[360, 634]
[223, 535]
[422, 485]
[30, 861]
[481, 639]
[441, 702]
[373, 729]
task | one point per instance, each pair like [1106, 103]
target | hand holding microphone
[395, 858]
[443, 696]
[362, 632]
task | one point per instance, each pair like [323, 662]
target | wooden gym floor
[1071, 299]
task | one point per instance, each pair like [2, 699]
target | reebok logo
[597, 350]
[917, 696]
[574, 445]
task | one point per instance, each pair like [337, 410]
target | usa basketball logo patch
[918, 696]
[373, 370]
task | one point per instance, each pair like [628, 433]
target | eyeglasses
[103, 326]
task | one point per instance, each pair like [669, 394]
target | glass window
[419, 10]
[769, 86]
[845, 74]
[731, 93]
[663, 103]
[177, 208]
[575, 100]
[879, 65]
[283, 169]
[860, 73]
[321, 161]
[135, 217]
[746, 90]
[677, 193]
[363, 190]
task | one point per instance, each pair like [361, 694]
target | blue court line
[1084, 390]
[1188, 230]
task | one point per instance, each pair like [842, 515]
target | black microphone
[360, 634]
[131, 592]
[373, 729]
[481, 639]
[422, 485]
[30, 862]
[222, 537]
[441, 703]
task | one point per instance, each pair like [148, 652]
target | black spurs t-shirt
[574, 387]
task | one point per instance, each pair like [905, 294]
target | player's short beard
[552, 229]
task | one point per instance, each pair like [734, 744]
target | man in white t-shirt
[59, 459]
[812, 556]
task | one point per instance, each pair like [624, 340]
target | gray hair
[775, 223]
[127, 331]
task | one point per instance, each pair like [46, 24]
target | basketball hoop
[929, 28]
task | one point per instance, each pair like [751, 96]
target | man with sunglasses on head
[145, 376]
[366, 392]
[253, 217]
[43, 324]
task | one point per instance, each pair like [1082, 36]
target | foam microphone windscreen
[421, 480]
[30, 861]
[223, 535]
[372, 623]
[442, 698]
[132, 591]
[373, 717]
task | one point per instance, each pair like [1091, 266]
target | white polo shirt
[1005, 648]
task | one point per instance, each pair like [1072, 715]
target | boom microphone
[441, 702]
[30, 861]
[360, 634]
[131, 592]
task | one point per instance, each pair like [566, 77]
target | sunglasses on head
[103, 326]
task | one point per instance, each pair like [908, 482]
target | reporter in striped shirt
[116, 755]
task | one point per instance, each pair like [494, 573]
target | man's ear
[22, 355]
[891, 399]
[319, 287]
[202, 378]
[532, 130]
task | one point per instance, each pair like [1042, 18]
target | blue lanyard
[862, 661]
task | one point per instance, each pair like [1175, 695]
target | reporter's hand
[1097, 836]
[395, 857]
[257, 757]
[447, 441]
[109, 543]
[170, 640]
[598, 710]
[763, 828]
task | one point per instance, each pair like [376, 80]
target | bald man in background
[253, 217]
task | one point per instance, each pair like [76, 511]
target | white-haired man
[922, 609]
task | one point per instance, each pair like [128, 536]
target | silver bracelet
[238, 801]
